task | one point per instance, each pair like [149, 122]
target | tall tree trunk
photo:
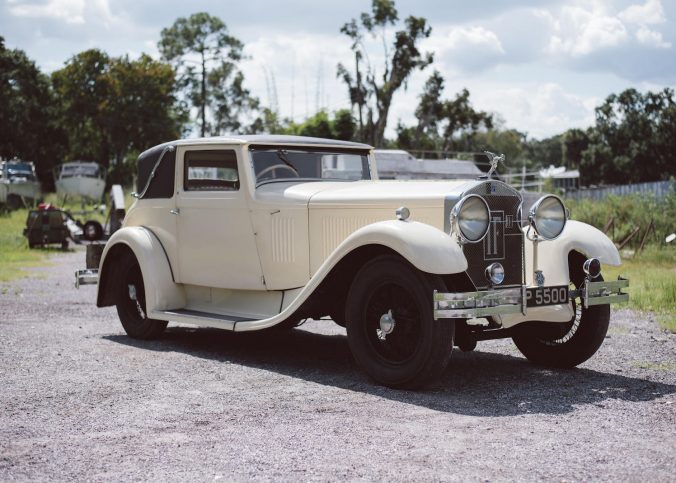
[360, 100]
[204, 96]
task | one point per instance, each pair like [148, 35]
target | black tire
[64, 245]
[132, 312]
[419, 348]
[579, 340]
[92, 230]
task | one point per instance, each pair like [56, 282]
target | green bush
[628, 212]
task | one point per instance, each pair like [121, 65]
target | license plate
[539, 296]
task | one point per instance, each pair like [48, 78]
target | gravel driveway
[80, 400]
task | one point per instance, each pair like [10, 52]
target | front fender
[427, 248]
[161, 291]
[552, 255]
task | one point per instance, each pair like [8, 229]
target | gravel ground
[80, 400]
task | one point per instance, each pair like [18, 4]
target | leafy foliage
[111, 106]
[443, 125]
[370, 90]
[633, 140]
[28, 113]
[205, 55]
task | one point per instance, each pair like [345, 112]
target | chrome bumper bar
[598, 293]
[484, 303]
[89, 276]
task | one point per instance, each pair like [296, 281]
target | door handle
[175, 211]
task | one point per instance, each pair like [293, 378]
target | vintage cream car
[255, 232]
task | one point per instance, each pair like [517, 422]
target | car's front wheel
[131, 303]
[390, 324]
[577, 342]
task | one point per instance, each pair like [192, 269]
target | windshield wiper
[282, 154]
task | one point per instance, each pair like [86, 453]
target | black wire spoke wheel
[390, 324]
[131, 303]
[397, 302]
[574, 342]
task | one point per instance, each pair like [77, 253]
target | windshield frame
[286, 149]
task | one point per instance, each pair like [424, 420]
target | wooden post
[631, 235]
[651, 226]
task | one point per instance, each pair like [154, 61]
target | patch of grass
[15, 256]
[652, 279]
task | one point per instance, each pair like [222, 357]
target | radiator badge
[539, 278]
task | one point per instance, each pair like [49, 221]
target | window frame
[236, 185]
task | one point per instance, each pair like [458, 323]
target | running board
[203, 319]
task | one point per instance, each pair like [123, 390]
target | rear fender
[161, 291]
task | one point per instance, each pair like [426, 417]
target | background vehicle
[250, 233]
[18, 183]
[80, 178]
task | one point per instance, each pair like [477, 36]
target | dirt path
[80, 400]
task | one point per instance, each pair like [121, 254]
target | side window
[213, 170]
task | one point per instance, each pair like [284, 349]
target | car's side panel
[161, 291]
[282, 241]
[331, 225]
[425, 247]
[214, 231]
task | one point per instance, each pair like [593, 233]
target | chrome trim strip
[89, 276]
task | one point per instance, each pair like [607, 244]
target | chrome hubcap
[387, 324]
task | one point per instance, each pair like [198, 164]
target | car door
[216, 244]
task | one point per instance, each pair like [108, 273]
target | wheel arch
[140, 242]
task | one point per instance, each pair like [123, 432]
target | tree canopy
[111, 106]
[205, 56]
[371, 89]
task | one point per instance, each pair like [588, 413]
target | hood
[364, 193]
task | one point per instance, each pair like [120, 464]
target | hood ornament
[494, 159]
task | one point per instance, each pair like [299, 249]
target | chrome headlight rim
[455, 223]
[532, 216]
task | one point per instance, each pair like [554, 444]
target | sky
[542, 66]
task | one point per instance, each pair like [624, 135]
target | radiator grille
[504, 241]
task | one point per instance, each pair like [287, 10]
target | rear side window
[212, 170]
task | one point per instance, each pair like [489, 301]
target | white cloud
[649, 13]
[581, 32]
[540, 110]
[71, 11]
[651, 38]
[466, 47]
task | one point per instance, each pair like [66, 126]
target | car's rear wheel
[575, 343]
[131, 303]
[92, 230]
[390, 324]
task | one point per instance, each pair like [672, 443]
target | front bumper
[89, 276]
[486, 303]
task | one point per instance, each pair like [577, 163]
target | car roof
[272, 139]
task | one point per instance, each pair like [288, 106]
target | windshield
[288, 164]
[87, 170]
[20, 170]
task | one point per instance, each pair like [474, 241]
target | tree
[545, 152]
[574, 143]
[28, 126]
[83, 90]
[633, 139]
[372, 90]
[443, 125]
[205, 55]
[113, 106]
